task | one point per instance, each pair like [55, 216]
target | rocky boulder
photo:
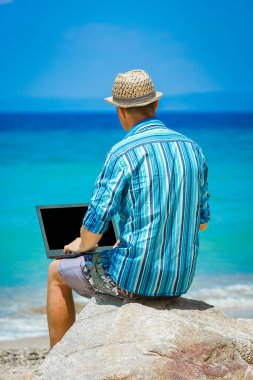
[177, 339]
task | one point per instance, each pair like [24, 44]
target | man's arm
[204, 201]
[104, 204]
[87, 242]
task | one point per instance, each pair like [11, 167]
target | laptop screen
[62, 225]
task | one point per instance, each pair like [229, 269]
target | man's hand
[203, 226]
[75, 246]
[116, 244]
[86, 243]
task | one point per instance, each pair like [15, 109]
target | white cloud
[2, 2]
[90, 56]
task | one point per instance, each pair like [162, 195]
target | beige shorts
[86, 276]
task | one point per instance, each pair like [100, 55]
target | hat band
[138, 99]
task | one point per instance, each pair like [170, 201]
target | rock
[177, 339]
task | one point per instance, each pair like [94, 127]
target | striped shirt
[156, 180]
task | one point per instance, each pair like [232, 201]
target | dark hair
[143, 110]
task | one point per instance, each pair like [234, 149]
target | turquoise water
[55, 158]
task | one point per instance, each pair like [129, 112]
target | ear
[156, 104]
[122, 113]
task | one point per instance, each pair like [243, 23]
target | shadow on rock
[163, 303]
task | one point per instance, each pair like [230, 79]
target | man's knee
[53, 272]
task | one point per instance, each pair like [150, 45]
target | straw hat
[133, 89]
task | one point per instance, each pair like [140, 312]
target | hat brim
[133, 102]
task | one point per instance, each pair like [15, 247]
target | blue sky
[64, 55]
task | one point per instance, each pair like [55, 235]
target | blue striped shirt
[156, 180]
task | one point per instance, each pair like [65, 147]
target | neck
[136, 119]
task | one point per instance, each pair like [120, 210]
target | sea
[55, 158]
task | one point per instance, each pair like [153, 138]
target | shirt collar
[142, 123]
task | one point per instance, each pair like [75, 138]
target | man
[156, 180]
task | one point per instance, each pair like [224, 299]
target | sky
[65, 55]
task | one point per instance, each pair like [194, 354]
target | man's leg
[60, 305]
[64, 276]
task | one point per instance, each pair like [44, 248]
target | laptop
[60, 225]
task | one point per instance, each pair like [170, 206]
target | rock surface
[177, 339]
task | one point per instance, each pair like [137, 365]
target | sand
[19, 359]
[21, 356]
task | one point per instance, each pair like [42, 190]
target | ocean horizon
[55, 158]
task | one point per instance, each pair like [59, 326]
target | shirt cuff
[92, 224]
[204, 217]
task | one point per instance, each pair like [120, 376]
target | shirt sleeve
[106, 196]
[205, 195]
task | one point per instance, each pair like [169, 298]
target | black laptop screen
[62, 225]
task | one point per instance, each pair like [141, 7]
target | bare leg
[60, 305]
